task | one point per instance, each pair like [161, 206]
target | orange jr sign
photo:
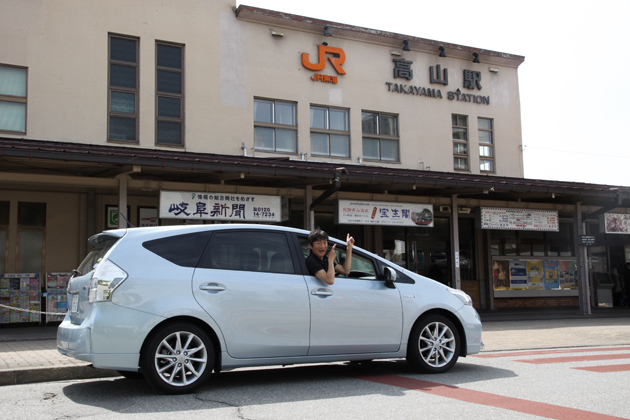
[337, 58]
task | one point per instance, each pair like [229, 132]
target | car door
[357, 314]
[250, 284]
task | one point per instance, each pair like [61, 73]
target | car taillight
[106, 278]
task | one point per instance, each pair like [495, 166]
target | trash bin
[603, 285]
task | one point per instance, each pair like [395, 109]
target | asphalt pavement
[29, 354]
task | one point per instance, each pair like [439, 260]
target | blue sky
[574, 83]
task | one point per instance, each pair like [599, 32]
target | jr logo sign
[337, 58]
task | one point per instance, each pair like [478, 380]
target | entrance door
[432, 258]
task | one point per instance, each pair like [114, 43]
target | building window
[12, 99]
[4, 227]
[330, 135]
[31, 237]
[169, 94]
[380, 136]
[460, 142]
[275, 126]
[486, 145]
[123, 89]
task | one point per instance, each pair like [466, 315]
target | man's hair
[317, 235]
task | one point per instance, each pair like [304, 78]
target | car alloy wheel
[178, 359]
[434, 345]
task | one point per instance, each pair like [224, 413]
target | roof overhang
[102, 161]
[390, 39]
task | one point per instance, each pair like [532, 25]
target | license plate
[75, 304]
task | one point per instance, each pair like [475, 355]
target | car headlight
[466, 300]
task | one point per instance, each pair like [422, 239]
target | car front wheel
[434, 345]
[178, 358]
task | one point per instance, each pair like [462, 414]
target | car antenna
[129, 223]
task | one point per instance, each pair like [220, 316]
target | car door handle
[212, 287]
[321, 292]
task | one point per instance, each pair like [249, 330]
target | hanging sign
[519, 219]
[352, 212]
[221, 206]
[616, 223]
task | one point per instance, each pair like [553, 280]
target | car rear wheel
[178, 358]
[434, 345]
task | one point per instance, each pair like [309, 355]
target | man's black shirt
[314, 264]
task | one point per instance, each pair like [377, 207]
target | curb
[64, 373]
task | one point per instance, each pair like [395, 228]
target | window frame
[30, 228]
[135, 91]
[330, 132]
[380, 137]
[483, 158]
[17, 100]
[180, 96]
[461, 156]
[275, 126]
[4, 227]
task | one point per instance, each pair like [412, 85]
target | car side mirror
[390, 277]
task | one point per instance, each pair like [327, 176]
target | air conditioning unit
[446, 209]
[464, 210]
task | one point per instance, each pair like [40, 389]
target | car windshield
[95, 256]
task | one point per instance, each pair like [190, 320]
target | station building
[204, 112]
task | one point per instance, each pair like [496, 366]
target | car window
[249, 251]
[95, 256]
[400, 276]
[184, 250]
[361, 268]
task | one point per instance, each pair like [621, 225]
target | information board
[519, 219]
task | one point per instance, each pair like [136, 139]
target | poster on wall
[20, 291]
[501, 274]
[551, 274]
[616, 223]
[518, 274]
[567, 274]
[519, 219]
[535, 275]
[354, 212]
[57, 295]
[221, 206]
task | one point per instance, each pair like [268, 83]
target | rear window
[183, 250]
[95, 256]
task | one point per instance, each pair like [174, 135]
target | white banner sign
[351, 212]
[617, 223]
[519, 219]
[221, 206]
[147, 217]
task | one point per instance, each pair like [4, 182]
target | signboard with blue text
[222, 206]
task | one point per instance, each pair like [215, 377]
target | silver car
[173, 304]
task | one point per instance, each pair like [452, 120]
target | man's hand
[332, 254]
[349, 241]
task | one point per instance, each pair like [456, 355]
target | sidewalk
[29, 354]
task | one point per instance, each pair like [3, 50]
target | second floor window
[380, 136]
[486, 145]
[170, 94]
[12, 99]
[330, 135]
[123, 89]
[275, 126]
[460, 142]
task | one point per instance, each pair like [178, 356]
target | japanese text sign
[220, 206]
[353, 212]
[519, 219]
